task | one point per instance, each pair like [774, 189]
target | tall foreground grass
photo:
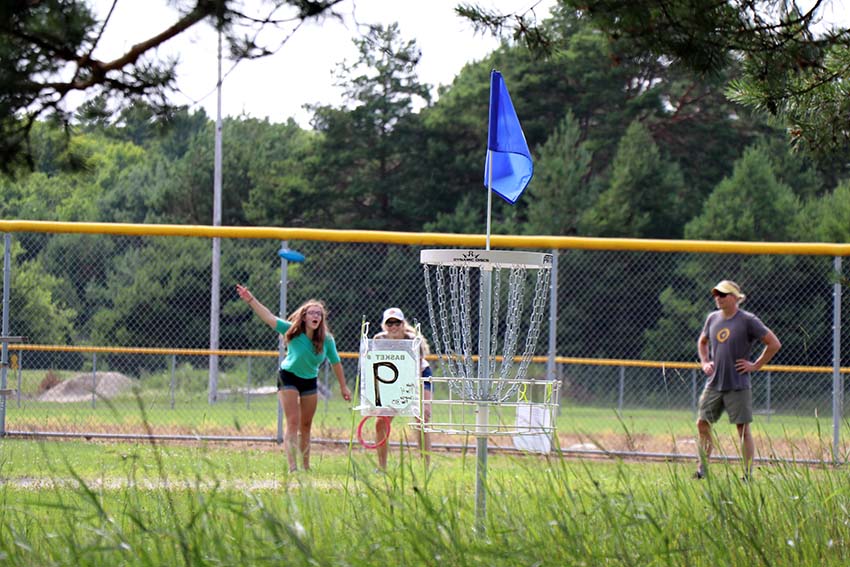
[123, 504]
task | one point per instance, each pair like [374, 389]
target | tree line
[625, 145]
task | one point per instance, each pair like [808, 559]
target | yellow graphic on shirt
[722, 335]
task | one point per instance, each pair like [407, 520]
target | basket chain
[431, 315]
[541, 294]
[494, 339]
[466, 306]
[516, 293]
[451, 325]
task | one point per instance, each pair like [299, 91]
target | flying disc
[290, 255]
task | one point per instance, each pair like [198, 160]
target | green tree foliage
[38, 197]
[645, 194]
[606, 87]
[252, 263]
[681, 319]
[155, 294]
[464, 219]
[827, 219]
[793, 66]
[368, 147]
[614, 131]
[99, 188]
[81, 263]
[643, 198]
[281, 193]
[259, 161]
[47, 51]
[42, 313]
[455, 145]
[750, 205]
[560, 192]
[794, 169]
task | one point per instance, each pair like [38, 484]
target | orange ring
[380, 443]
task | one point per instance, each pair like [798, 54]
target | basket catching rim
[486, 258]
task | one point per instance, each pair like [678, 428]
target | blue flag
[512, 166]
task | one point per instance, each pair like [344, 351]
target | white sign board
[389, 377]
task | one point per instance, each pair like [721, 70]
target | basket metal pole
[483, 416]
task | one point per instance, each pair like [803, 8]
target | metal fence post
[327, 367]
[171, 385]
[769, 384]
[281, 345]
[248, 393]
[837, 378]
[93, 379]
[20, 368]
[622, 388]
[553, 317]
[279, 420]
[694, 390]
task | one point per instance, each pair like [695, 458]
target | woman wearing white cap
[395, 327]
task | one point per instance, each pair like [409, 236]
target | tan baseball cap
[728, 286]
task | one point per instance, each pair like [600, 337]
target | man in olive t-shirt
[724, 348]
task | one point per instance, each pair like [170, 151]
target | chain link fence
[117, 334]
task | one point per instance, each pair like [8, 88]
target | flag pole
[482, 418]
[489, 194]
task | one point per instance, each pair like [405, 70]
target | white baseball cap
[392, 313]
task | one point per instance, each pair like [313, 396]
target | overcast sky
[301, 72]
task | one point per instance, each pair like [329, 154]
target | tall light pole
[215, 288]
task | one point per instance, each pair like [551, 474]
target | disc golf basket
[488, 388]
[486, 308]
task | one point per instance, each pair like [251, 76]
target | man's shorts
[737, 403]
[286, 380]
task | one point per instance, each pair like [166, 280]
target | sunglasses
[393, 323]
[720, 294]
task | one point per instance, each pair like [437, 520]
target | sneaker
[699, 475]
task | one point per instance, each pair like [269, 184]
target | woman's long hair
[299, 324]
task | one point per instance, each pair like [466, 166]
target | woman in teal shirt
[308, 342]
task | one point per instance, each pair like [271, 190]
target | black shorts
[286, 380]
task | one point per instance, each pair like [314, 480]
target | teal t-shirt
[301, 358]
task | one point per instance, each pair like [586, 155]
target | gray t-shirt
[729, 340]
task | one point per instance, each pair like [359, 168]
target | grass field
[90, 503]
[667, 431]
[175, 403]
